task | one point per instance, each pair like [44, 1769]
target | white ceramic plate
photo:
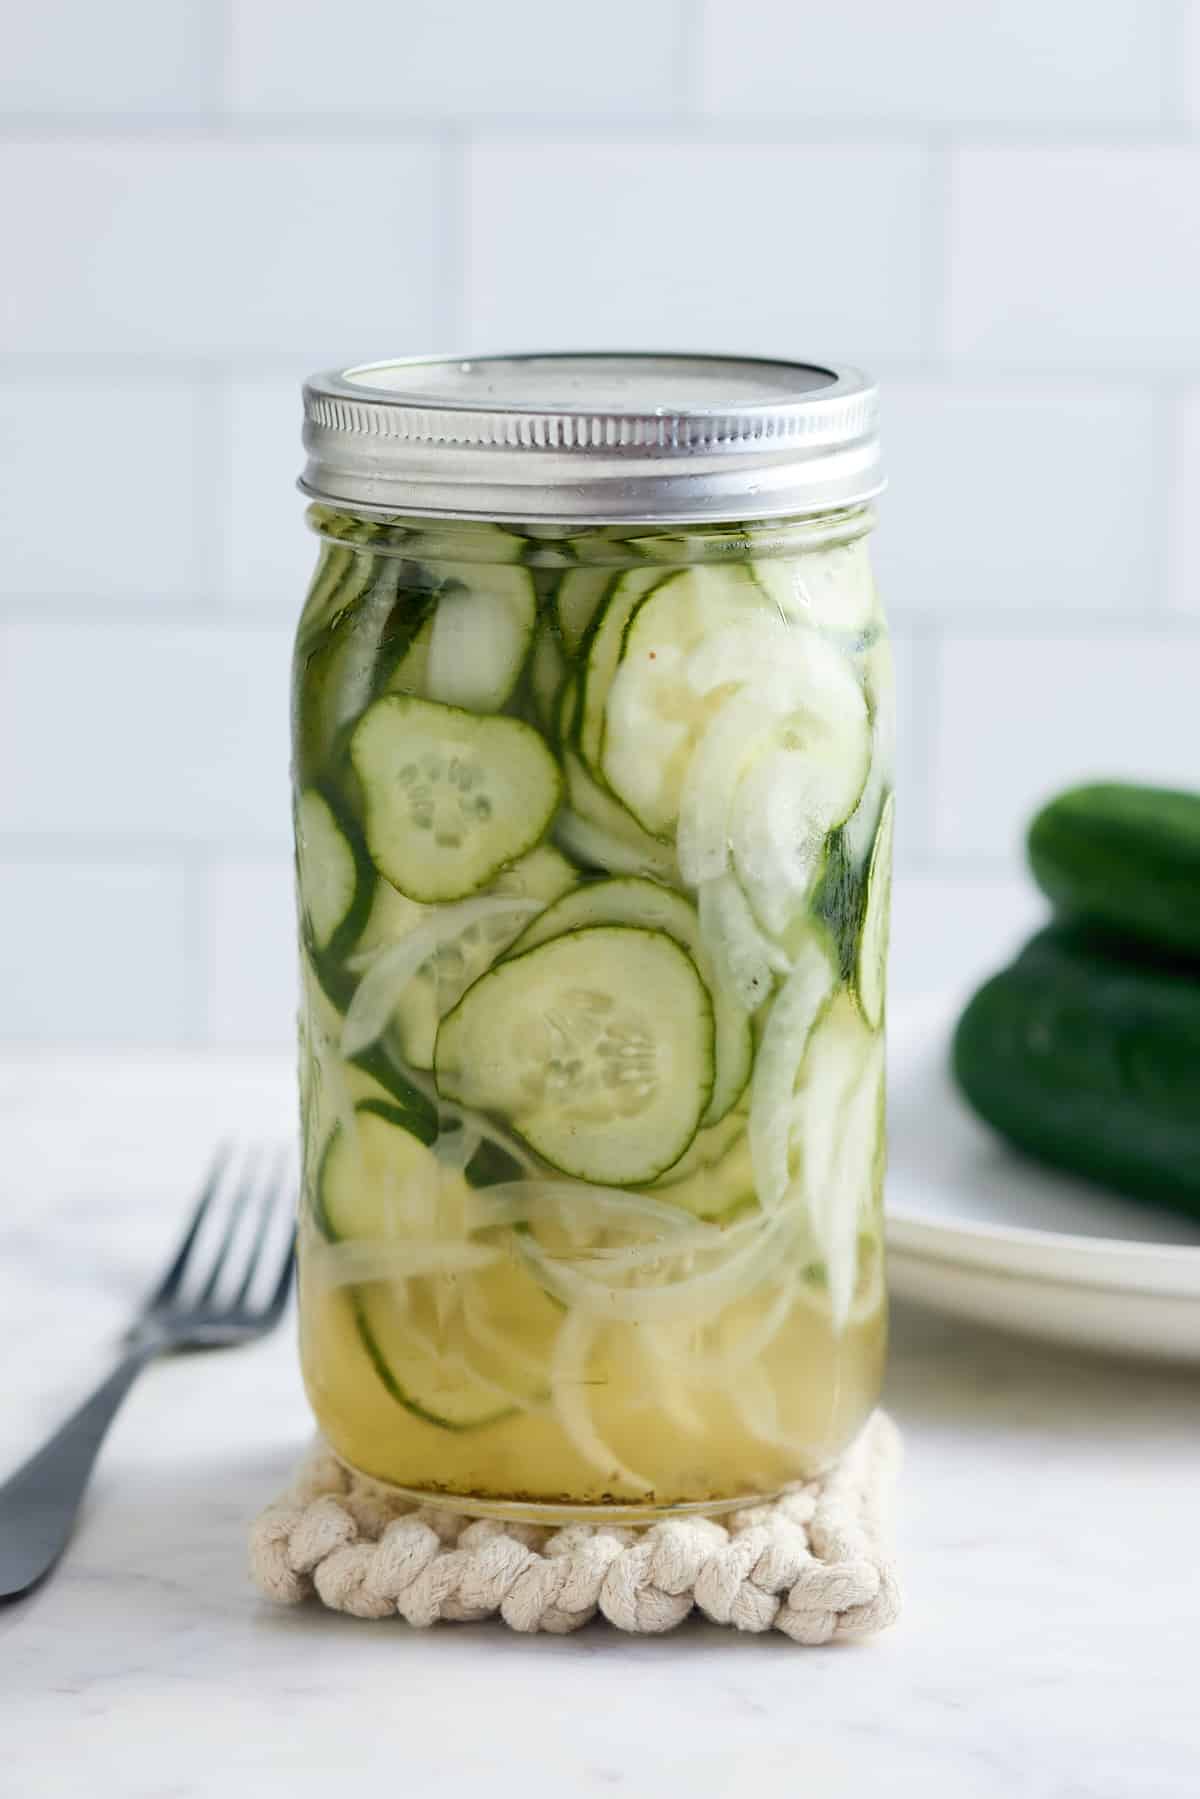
[976, 1230]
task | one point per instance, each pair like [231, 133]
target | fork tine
[169, 1284]
[279, 1298]
[267, 1209]
[237, 1210]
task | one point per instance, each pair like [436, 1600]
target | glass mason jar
[593, 801]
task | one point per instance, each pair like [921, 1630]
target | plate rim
[1167, 1269]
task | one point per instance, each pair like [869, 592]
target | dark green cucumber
[1089, 1059]
[1124, 858]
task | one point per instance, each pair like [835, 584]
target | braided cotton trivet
[813, 1563]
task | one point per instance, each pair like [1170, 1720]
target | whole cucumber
[1090, 1060]
[1124, 858]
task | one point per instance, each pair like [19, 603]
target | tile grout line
[1166, 476]
[229, 126]
[212, 493]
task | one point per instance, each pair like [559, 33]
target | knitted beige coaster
[813, 1563]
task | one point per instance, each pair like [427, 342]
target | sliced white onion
[747, 959]
[516, 1202]
[493, 1342]
[696, 1296]
[455, 1148]
[795, 1010]
[881, 693]
[722, 1364]
[670, 1396]
[378, 993]
[758, 1404]
[778, 834]
[569, 1390]
[360, 1259]
[710, 786]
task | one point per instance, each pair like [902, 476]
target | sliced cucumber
[509, 1327]
[410, 674]
[375, 1073]
[879, 681]
[604, 654]
[717, 1182]
[599, 833]
[457, 544]
[597, 1048]
[631, 901]
[450, 798]
[832, 589]
[547, 672]
[375, 1174]
[333, 570]
[578, 599]
[399, 1331]
[836, 1126]
[544, 874]
[654, 716]
[415, 982]
[873, 943]
[380, 611]
[634, 901]
[838, 901]
[392, 918]
[332, 890]
[481, 634]
[418, 961]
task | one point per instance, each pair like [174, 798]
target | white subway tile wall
[996, 209]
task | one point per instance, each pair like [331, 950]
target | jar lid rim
[592, 436]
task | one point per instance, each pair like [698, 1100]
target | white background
[994, 208]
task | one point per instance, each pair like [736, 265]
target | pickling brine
[593, 831]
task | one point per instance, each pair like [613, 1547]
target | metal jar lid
[592, 437]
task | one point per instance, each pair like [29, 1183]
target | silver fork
[212, 1296]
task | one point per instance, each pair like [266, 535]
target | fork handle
[38, 1504]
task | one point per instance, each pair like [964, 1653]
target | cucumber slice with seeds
[597, 1048]
[634, 901]
[450, 798]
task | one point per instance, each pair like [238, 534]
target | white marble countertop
[1048, 1537]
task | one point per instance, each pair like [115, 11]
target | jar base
[556, 1513]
